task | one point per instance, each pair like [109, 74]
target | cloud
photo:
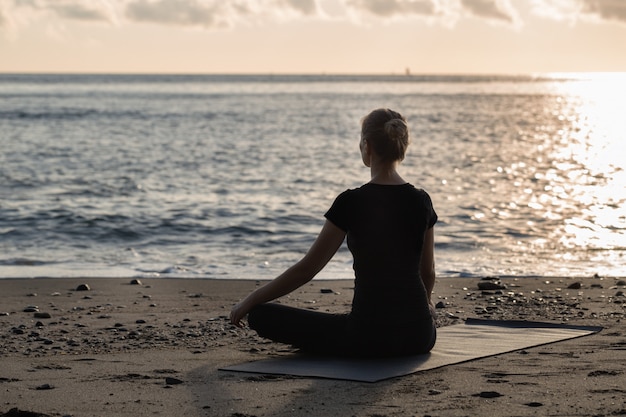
[208, 14]
[606, 9]
[213, 13]
[306, 7]
[575, 10]
[446, 12]
[219, 14]
[389, 8]
[27, 10]
[498, 10]
[177, 12]
[78, 11]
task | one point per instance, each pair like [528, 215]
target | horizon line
[406, 73]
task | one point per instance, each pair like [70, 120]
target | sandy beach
[118, 348]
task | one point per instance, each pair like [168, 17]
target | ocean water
[224, 176]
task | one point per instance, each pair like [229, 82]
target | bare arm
[427, 264]
[322, 250]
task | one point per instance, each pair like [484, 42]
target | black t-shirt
[385, 226]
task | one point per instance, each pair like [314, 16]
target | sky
[313, 36]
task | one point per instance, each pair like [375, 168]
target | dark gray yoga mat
[455, 344]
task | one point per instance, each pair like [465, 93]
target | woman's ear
[366, 153]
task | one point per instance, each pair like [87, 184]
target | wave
[73, 114]
[23, 262]
[68, 114]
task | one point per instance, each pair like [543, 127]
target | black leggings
[339, 334]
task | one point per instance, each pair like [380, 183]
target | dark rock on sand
[491, 285]
[14, 412]
[42, 315]
[135, 282]
[603, 373]
[488, 394]
[44, 387]
[574, 286]
[172, 381]
[83, 287]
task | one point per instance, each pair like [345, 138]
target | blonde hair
[387, 132]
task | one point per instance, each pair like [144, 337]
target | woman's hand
[238, 312]
[324, 247]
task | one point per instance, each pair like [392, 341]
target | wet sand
[153, 349]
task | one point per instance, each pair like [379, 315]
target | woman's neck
[385, 175]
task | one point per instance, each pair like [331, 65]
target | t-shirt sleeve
[431, 214]
[338, 211]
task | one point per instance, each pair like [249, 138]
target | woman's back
[385, 226]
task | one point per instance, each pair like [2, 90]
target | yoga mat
[455, 344]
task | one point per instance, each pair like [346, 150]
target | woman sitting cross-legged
[389, 227]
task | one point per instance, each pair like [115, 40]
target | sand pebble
[326, 291]
[172, 381]
[31, 309]
[534, 404]
[16, 412]
[44, 387]
[603, 373]
[491, 285]
[488, 394]
[42, 315]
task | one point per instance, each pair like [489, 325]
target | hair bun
[397, 130]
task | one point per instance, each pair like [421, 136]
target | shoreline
[154, 349]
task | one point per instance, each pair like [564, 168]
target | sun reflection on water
[586, 184]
